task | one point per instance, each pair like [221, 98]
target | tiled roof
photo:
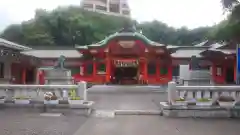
[187, 53]
[9, 44]
[53, 53]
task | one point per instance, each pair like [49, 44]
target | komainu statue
[194, 63]
[60, 62]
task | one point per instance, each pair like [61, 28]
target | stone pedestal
[199, 77]
[58, 76]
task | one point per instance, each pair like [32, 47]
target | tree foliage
[229, 29]
[67, 26]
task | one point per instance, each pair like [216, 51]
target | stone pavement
[156, 125]
[15, 122]
[18, 122]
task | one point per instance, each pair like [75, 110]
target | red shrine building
[128, 57]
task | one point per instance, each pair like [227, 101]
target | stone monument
[58, 74]
[198, 76]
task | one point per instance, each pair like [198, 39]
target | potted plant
[204, 102]
[22, 100]
[226, 101]
[180, 101]
[50, 98]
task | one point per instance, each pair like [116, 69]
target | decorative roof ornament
[128, 28]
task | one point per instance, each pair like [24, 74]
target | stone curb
[138, 112]
[199, 111]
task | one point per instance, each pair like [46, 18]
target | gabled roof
[122, 35]
[188, 52]
[219, 48]
[9, 44]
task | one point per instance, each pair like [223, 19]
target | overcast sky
[177, 13]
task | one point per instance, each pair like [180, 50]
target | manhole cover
[104, 114]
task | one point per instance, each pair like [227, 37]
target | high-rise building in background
[114, 7]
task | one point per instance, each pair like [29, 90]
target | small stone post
[65, 94]
[82, 90]
[172, 89]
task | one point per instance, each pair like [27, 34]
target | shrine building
[127, 57]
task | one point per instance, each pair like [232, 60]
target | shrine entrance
[125, 72]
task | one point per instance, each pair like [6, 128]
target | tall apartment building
[114, 7]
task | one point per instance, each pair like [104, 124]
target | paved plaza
[22, 122]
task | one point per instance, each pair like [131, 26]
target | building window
[163, 70]
[1, 70]
[114, 8]
[81, 70]
[101, 68]
[125, 12]
[151, 68]
[210, 71]
[219, 71]
[101, 8]
[89, 69]
[88, 5]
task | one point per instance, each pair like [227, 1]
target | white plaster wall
[184, 72]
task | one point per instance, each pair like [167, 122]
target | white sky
[177, 13]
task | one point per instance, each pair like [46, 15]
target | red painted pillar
[145, 70]
[214, 72]
[170, 70]
[224, 73]
[158, 68]
[108, 70]
[24, 72]
[94, 69]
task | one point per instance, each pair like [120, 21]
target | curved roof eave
[123, 34]
[13, 45]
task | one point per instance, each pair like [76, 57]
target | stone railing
[36, 92]
[194, 93]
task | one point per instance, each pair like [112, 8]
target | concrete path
[19, 123]
[156, 125]
[15, 122]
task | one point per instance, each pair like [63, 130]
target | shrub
[75, 98]
[22, 98]
[203, 100]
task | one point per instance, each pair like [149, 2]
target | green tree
[68, 26]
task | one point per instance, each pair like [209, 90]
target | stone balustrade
[202, 101]
[195, 93]
[36, 92]
[210, 92]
